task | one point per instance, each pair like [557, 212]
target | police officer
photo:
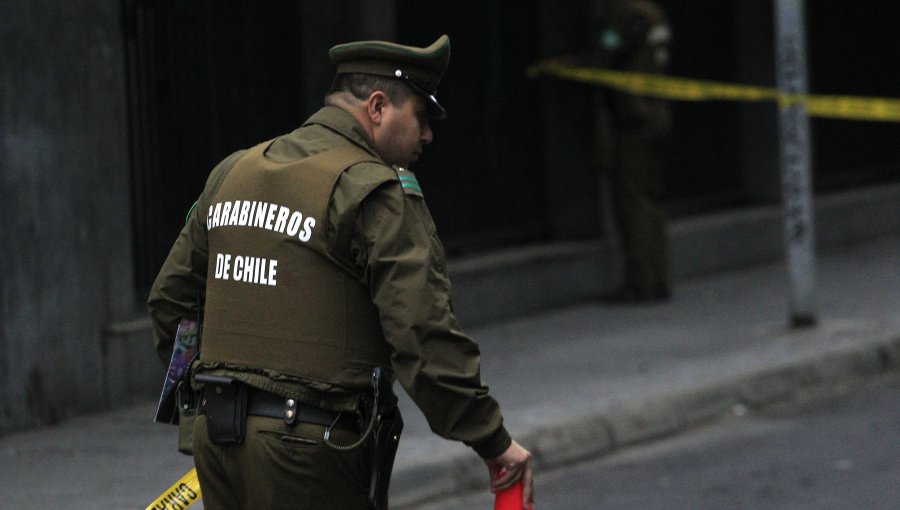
[634, 36]
[319, 261]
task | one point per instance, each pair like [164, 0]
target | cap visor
[435, 110]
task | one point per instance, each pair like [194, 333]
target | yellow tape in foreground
[183, 494]
[683, 89]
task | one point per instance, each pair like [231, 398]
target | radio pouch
[225, 406]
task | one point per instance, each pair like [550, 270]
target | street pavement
[829, 448]
[574, 383]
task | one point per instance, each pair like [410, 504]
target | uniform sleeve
[435, 362]
[176, 292]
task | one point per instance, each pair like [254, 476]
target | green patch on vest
[409, 182]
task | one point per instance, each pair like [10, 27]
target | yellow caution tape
[183, 494]
[683, 89]
[854, 108]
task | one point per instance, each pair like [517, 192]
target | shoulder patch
[409, 182]
[187, 217]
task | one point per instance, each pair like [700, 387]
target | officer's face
[404, 131]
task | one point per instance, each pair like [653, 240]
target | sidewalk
[574, 383]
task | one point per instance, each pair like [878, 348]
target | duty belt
[263, 403]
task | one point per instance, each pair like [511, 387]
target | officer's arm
[174, 294]
[435, 362]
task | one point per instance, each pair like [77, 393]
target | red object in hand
[510, 499]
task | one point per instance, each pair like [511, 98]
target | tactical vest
[275, 298]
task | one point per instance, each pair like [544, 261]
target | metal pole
[796, 183]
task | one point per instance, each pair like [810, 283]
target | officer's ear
[375, 106]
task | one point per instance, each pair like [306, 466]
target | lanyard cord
[365, 436]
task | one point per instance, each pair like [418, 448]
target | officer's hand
[511, 466]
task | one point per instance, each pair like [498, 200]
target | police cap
[420, 68]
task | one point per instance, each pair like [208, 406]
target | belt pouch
[225, 407]
[188, 405]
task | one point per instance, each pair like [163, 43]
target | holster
[224, 403]
[385, 440]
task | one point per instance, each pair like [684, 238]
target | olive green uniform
[378, 233]
[634, 36]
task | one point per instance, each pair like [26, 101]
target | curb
[654, 417]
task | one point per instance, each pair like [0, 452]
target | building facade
[114, 111]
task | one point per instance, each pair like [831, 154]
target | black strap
[263, 403]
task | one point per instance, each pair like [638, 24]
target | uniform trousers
[281, 467]
[636, 178]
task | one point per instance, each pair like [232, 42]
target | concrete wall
[74, 337]
[528, 279]
[758, 160]
[65, 260]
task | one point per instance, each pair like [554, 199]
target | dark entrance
[203, 82]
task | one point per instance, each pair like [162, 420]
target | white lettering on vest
[294, 224]
[252, 213]
[259, 218]
[274, 217]
[226, 210]
[270, 216]
[281, 221]
[216, 212]
[273, 272]
[252, 270]
[308, 225]
[235, 210]
[245, 212]
[223, 264]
